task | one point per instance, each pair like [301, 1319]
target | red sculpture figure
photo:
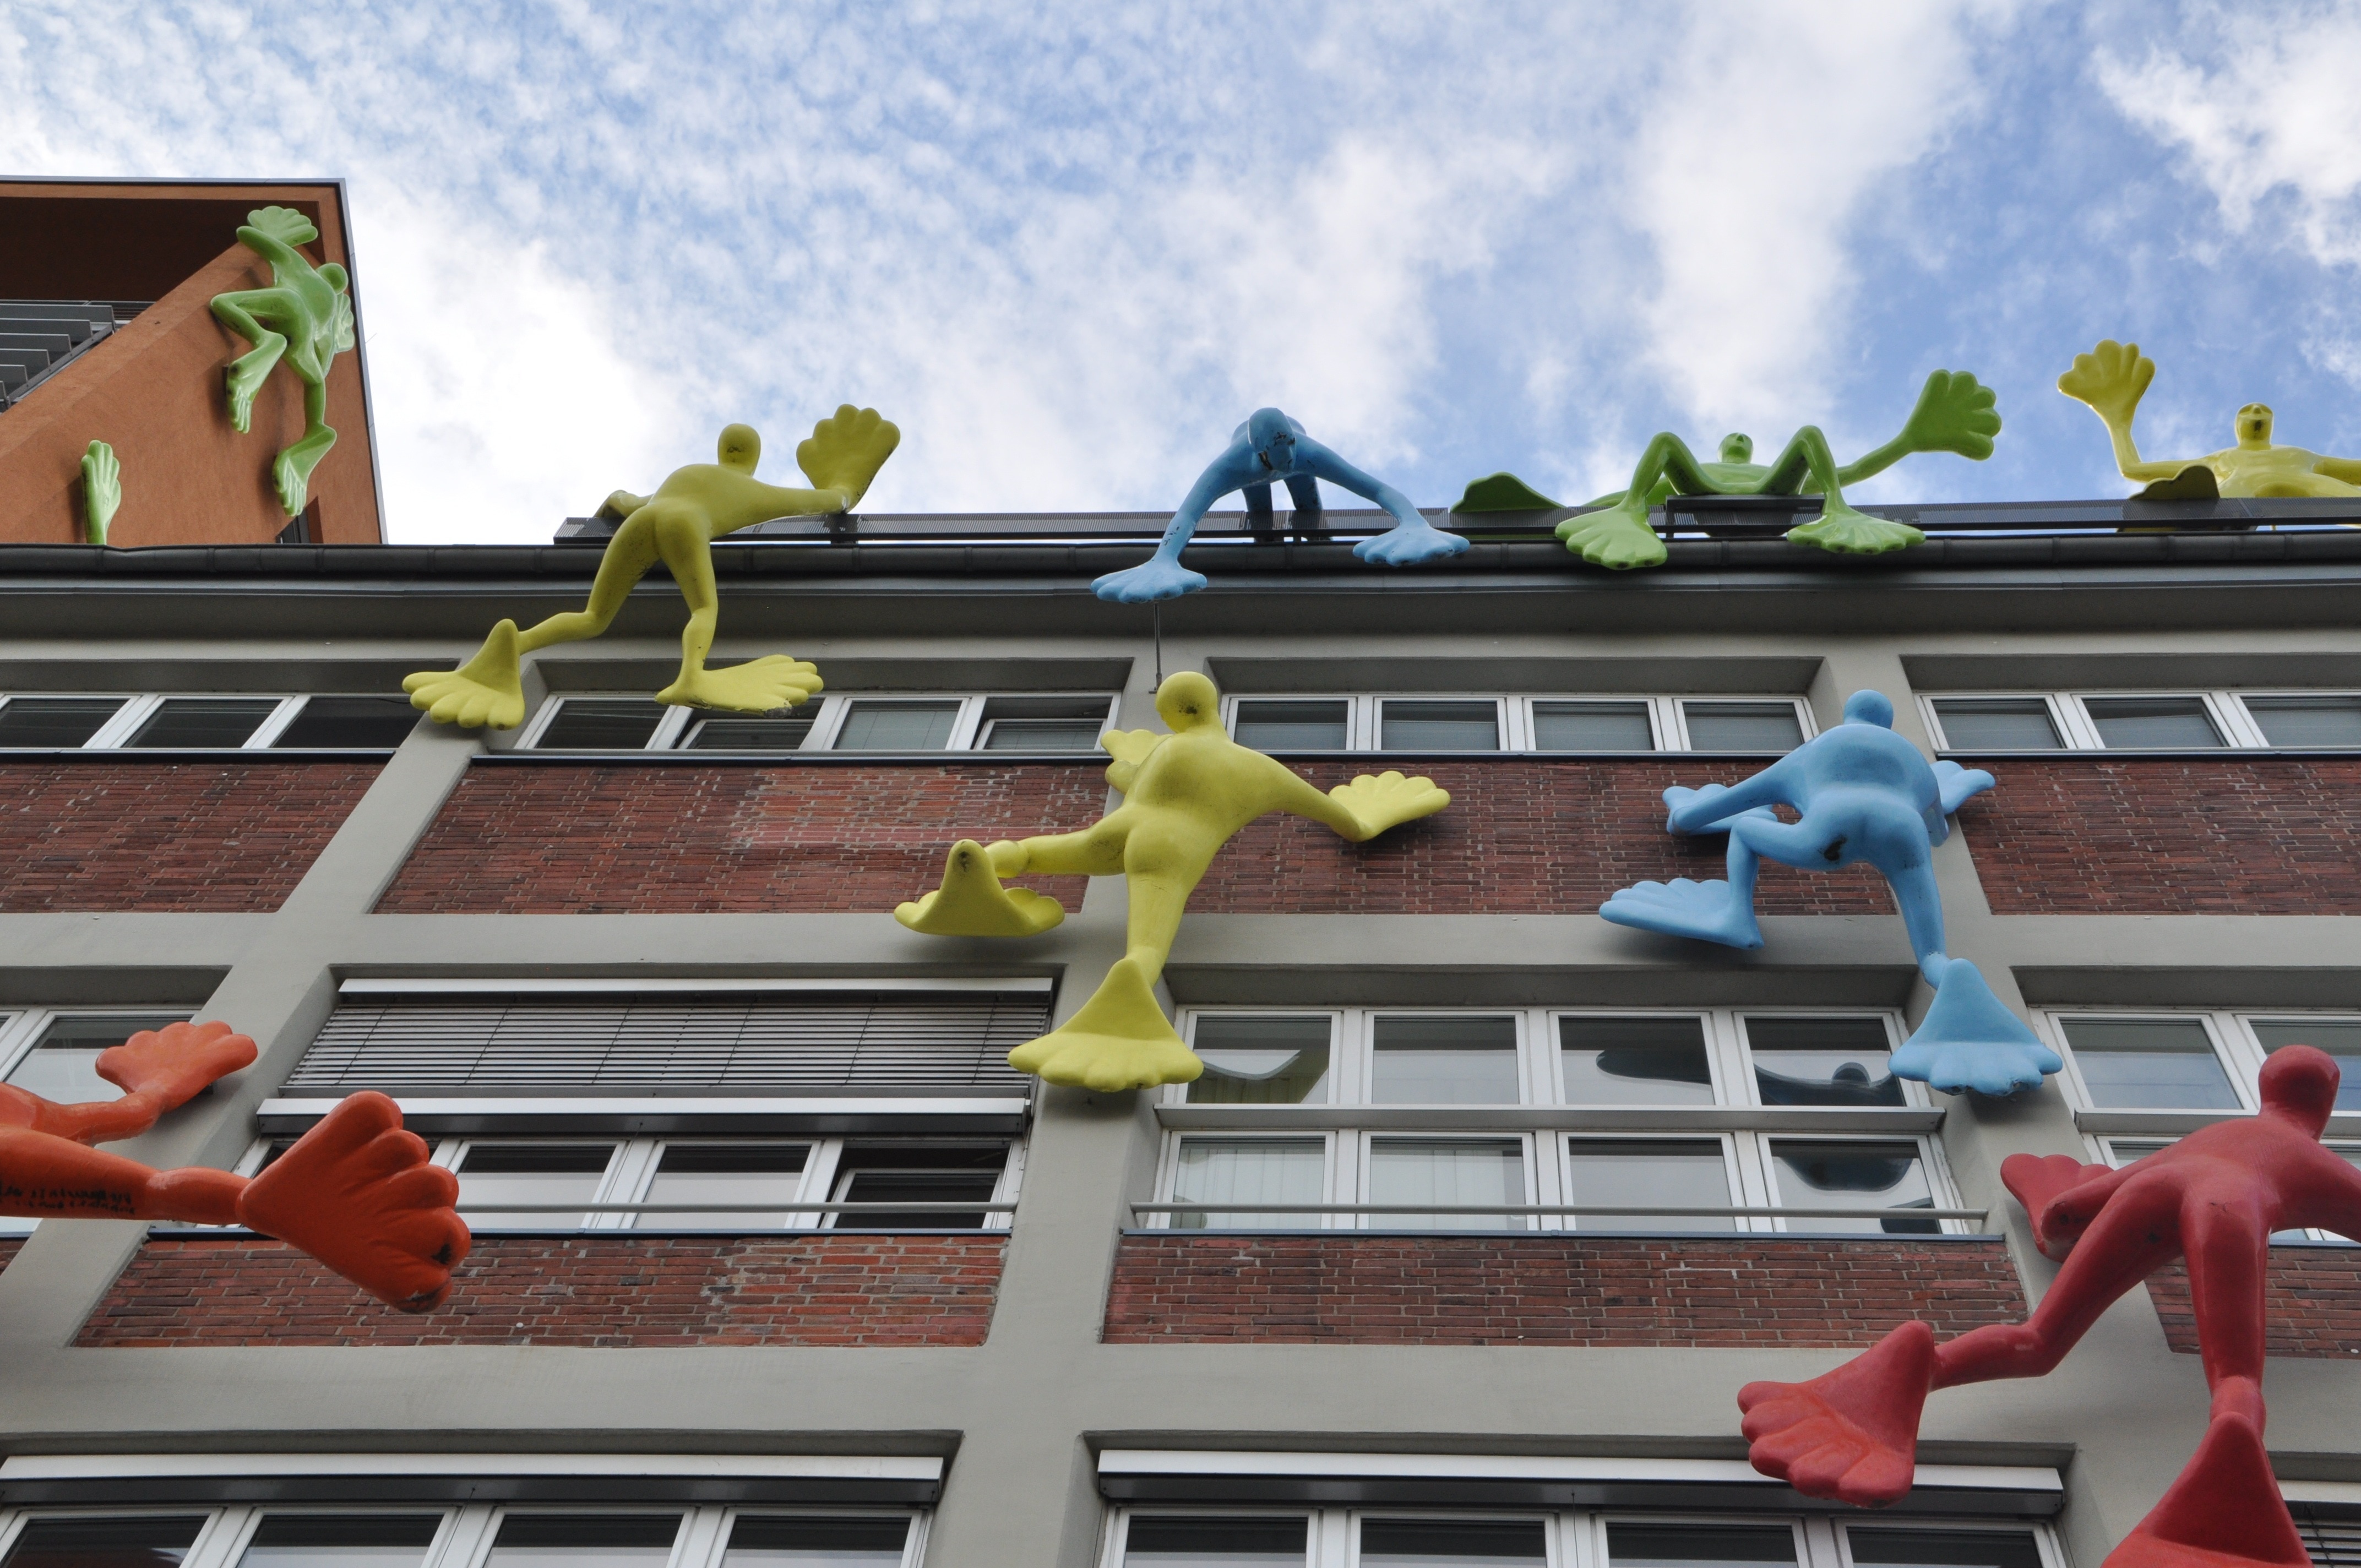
[355, 1192]
[2213, 1198]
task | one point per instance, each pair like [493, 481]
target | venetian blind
[2333, 1535]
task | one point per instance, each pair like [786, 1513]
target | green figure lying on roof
[1954, 414]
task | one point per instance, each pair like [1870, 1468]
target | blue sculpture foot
[1709, 911]
[1403, 545]
[1970, 1041]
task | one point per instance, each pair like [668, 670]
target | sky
[1069, 247]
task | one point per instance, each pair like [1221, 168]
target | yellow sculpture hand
[620, 505]
[846, 450]
[1129, 748]
[1388, 800]
[2112, 378]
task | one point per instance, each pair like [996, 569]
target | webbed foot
[1388, 800]
[845, 451]
[292, 472]
[1153, 579]
[1852, 1433]
[760, 685]
[1849, 533]
[1120, 1039]
[177, 1062]
[1403, 545]
[972, 903]
[1709, 911]
[1968, 1040]
[488, 689]
[1618, 537]
[2226, 1510]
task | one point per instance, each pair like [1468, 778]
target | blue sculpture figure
[1864, 793]
[1270, 446]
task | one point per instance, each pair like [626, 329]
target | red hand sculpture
[2213, 1198]
[356, 1191]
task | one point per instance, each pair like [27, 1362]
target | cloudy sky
[1068, 247]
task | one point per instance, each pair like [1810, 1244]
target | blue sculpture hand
[1957, 786]
[1153, 579]
[1405, 546]
[1677, 796]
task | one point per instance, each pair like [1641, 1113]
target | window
[1759, 726]
[1396, 1119]
[2132, 721]
[368, 722]
[1027, 725]
[54, 1053]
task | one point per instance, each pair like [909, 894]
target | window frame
[2225, 707]
[135, 708]
[1667, 717]
[969, 726]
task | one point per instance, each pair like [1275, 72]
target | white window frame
[1667, 718]
[969, 727]
[136, 707]
[2078, 731]
[2234, 1047]
[671, 722]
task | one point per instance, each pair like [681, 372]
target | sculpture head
[1188, 701]
[1737, 447]
[2300, 1083]
[740, 448]
[1870, 707]
[1272, 438]
[2254, 425]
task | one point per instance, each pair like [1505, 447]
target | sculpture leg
[2228, 1247]
[760, 685]
[1619, 536]
[238, 312]
[1968, 1039]
[292, 471]
[1839, 527]
[1304, 491]
[1719, 911]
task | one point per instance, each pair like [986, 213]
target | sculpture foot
[972, 903]
[1709, 911]
[1968, 1040]
[761, 685]
[488, 689]
[1852, 1434]
[1119, 1040]
[2223, 1512]
[357, 1193]
[1148, 582]
[1617, 537]
[1403, 545]
[845, 451]
[1850, 532]
[290, 474]
[1388, 800]
[176, 1063]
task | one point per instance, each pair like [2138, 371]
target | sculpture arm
[1954, 787]
[2346, 468]
[1703, 811]
[93, 1122]
[1319, 461]
[1233, 470]
[271, 248]
[620, 505]
[1954, 413]
[1130, 748]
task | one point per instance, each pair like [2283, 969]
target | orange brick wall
[2313, 1304]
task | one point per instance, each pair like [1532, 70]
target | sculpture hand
[1404, 545]
[2037, 1181]
[620, 505]
[1957, 786]
[1129, 748]
[176, 1063]
[1955, 413]
[2112, 378]
[1154, 578]
[1388, 800]
[846, 450]
[284, 224]
[102, 490]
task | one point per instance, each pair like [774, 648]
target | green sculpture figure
[677, 526]
[1186, 793]
[2113, 377]
[1954, 414]
[102, 490]
[306, 318]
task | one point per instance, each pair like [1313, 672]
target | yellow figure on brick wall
[1186, 793]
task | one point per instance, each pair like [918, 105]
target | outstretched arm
[1711, 808]
[1319, 461]
[1954, 787]
[159, 1070]
[2112, 378]
[1129, 748]
[1161, 575]
[1954, 413]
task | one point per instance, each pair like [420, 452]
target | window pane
[1440, 725]
[105, 1543]
[341, 1540]
[529, 1173]
[1042, 735]
[1743, 726]
[1634, 1062]
[59, 722]
[2134, 722]
[1997, 724]
[1184, 1542]
[588, 724]
[2150, 1063]
[725, 1173]
[202, 721]
[1280, 1059]
[1654, 1172]
[757, 1543]
[1874, 1547]
[915, 1172]
[1822, 1061]
[1469, 1060]
[584, 1541]
[2284, 720]
[1839, 1175]
[897, 726]
[1699, 1546]
[1249, 1170]
[1453, 1543]
[369, 722]
[1592, 727]
[63, 1063]
[2339, 1038]
[784, 733]
[1448, 1172]
[1264, 726]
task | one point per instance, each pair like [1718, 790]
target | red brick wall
[557, 840]
[2160, 836]
[571, 1290]
[1551, 1289]
[169, 835]
[2312, 1305]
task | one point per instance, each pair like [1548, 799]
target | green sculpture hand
[102, 490]
[2112, 378]
[284, 224]
[1955, 413]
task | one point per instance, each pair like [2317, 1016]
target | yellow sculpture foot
[846, 450]
[1619, 538]
[765, 685]
[1119, 1040]
[972, 903]
[1389, 800]
[488, 689]
[1850, 533]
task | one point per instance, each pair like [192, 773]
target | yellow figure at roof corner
[677, 525]
[1186, 795]
[2113, 377]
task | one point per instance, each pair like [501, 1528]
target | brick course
[609, 1290]
[1551, 1289]
[2312, 1306]
[209, 836]
[2167, 836]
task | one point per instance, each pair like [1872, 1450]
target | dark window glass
[584, 1541]
[1874, 1547]
[592, 724]
[1592, 727]
[1838, 1174]
[1822, 1061]
[2339, 1038]
[1997, 724]
[917, 1173]
[1266, 726]
[202, 721]
[1699, 1546]
[2179, 722]
[1743, 726]
[1440, 725]
[1457, 1059]
[1454, 1544]
[897, 726]
[1634, 1062]
[2286, 720]
[757, 1543]
[55, 722]
[784, 733]
[105, 1543]
[356, 722]
[341, 1540]
[1271, 1060]
[1185, 1542]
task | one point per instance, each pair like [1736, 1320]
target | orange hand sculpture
[2213, 1198]
[356, 1191]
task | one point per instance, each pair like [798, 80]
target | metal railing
[1570, 1211]
[788, 1206]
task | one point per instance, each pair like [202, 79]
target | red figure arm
[357, 1193]
[159, 1070]
[2040, 1182]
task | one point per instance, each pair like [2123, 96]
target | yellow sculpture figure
[1186, 793]
[677, 526]
[2112, 378]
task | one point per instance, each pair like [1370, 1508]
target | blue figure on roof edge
[1272, 447]
[1865, 794]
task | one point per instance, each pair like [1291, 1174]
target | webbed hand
[845, 451]
[102, 490]
[620, 505]
[1129, 748]
[1403, 545]
[176, 1063]
[2112, 378]
[1617, 537]
[284, 224]
[1153, 579]
[1955, 413]
[1956, 785]
[1388, 800]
